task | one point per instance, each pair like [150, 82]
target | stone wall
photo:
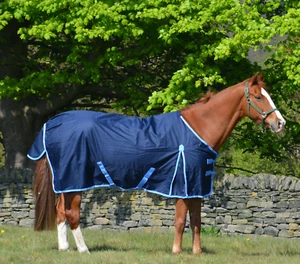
[262, 204]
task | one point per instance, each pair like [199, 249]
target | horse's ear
[260, 78]
[256, 78]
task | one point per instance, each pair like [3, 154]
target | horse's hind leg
[180, 221]
[195, 223]
[72, 206]
[61, 221]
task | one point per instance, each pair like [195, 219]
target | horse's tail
[44, 196]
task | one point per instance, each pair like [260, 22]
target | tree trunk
[19, 127]
[13, 117]
[20, 121]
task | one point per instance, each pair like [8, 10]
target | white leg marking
[62, 231]
[81, 246]
[264, 93]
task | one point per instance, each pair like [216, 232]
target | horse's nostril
[281, 124]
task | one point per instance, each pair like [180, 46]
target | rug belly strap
[111, 182]
[105, 173]
[145, 178]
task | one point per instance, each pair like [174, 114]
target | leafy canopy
[159, 55]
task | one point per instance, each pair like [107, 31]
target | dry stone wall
[262, 204]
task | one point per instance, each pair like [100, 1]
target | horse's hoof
[176, 251]
[63, 249]
[197, 251]
[84, 251]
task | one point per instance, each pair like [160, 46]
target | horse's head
[260, 106]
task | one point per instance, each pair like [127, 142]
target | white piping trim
[203, 141]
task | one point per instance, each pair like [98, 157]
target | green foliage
[159, 55]
[86, 39]
[212, 231]
[226, 30]
[250, 162]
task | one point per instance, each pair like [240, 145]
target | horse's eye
[258, 97]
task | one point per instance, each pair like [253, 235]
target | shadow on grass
[288, 253]
[107, 248]
[122, 249]
[205, 251]
[186, 250]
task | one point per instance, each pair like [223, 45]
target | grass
[23, 245]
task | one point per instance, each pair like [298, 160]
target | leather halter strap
[263, 114]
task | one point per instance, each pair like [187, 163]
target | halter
[264, 115]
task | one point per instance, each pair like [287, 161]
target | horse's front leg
[61, 221]
[72, 203]
[195, 223]
[180, 221]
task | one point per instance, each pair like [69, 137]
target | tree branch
[90, 105]
[236, 168]
[68, 96]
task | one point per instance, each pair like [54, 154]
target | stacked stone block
[262, 204]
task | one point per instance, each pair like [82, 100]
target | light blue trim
[175, 171]
[210, 172]
[145, 178]
[149, 191]
[44, 136]
[106, 174]
[48, 159]
[40, 156]
[178, 196]
[44, 144]
[204, 142]
[84, 189]
[210, 161]
[184, 174]
[111, 182]
[181, 148]
[180, 154]
[47, 156]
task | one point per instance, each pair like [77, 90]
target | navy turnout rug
[159, 154]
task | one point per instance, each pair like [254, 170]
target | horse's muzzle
[278, 126]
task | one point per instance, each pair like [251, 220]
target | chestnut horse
[212, 119]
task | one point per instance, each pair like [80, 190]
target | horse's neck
[214, 120]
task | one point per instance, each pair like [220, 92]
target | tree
[71, 50]
[56, 55]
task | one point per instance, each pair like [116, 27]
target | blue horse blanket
[160, 154]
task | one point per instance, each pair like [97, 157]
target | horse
[205, 125]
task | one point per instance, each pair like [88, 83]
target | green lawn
[23, 245]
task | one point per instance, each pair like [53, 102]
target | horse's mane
[262, 84]
[204, 99]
